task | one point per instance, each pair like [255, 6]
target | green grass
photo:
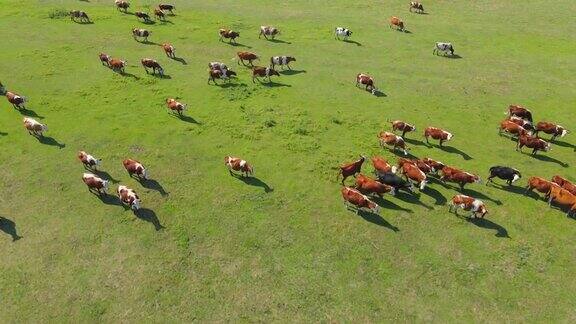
[233, 251]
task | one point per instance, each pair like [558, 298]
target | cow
[368, 185]
[345, 33]
[522, 122]
[511, 175]
[411, 171]
[423, 166]
[176, 106]
[34, 127]
[513, 128]
[89, 161]
[282, 61]
[444, 48]
[239, 165]
[391, 139]
[435, 165]
[416, 6]
[128, 197]
[475, 206]
[96, 183]
[382, 166]
[367, 81]
[536, 144]
[142, 15]
[167, 7]
[117, 65]
[159, 14]
[396, 181]
[169, 50]
[551, 129]
[229, 34]
[462, 178]
[152, 64]
[220, 74]
[398, 125]
[437, 134]
[246, 56]
[142, 33]
[259, 71]
[104, 59]
[447, 172]
[122, 5]
[519, 111]
[268, 31]
[353, 197]
[217, 66]
[563, 197]
[76, 15]
[541, 185]
[16, 100]
[397, 23]
[135, 168]
[350, 169]
[564, 183]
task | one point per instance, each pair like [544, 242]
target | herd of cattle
[388, 178]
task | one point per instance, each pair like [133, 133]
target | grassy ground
[281, 247]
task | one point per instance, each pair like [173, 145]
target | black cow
[505, 173]
[396, 181]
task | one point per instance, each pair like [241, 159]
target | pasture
[281, 246]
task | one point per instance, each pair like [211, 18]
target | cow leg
[534, 151]
[461, 186]
[441, 141]
[427, 142]
[489, 179]
[528, 188]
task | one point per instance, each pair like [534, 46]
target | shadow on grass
[105, 175]
[253, 181]
[185, 118]
[489, 225]
[479, 195]
[153, 185]
[292, 72]
[431, 192]
[352, 42]
[387, 204]
[564, 144]
[415, 142]
[453, 56]
[3, 133]
[376, 219]
[109, 199]
[546, 158]
[453, 150]
[126, 74]
[237, 44]
[9, 227]
[278, 41]
[149, 216]
[147, 42]
[412, 199]
[273, 84]
[47, 140]
[29, 113]
[180, 59]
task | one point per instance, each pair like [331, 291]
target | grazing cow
[259, 71]
[81, 15]
[229, 34]
[104, 59]
[563, 197]
[396, 181]
[350, 169]
[345, 33]
[382, 166]
[358, 200]
[444, 48]
[88, 160]
[128, 197]
[435, 165]
[541, 185]
[552, 129]
[564, 183]
[398, 125]
[220, 74]
[152, 64]
[246, 56]
[159, 14]
[239, 165]
[94, 182]
[217, 66]
[536, 144]
[366, 80]
[176, 106]
[462, 178]
[519, 111]
[268, 31]
[34, 127]
[522, 122]
[416, 6]
[142, 33]
[411, 171]
[135, 168]
[167, 7]
[511, 175]
[142, 15]
[282, 61]
[475, 206]
[437, 134]
[513, 128]
[117, 65]
[16, 100]
[391, 139]
[368, 185]
[122, 5]
[397, 23]
[169, 50]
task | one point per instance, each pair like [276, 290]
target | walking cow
[367, 81]
[141, 33]
[237, 164]
[416, 6]
[282, 61]
[345, 33]
[77, 15]
[475, 206]
[444, 48]
[511, 175]
[268, 31]
[353, 197]
[152, 64]
[229, 34]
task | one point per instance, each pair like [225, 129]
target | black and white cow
[282, 61]
[505, 173]
[217, 66]
[395, 181]
[444, 48]
[342, 32]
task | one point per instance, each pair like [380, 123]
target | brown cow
[462, 178]
[437, 134]
[122, 5]
[416, 6]
[397, 23]
[176, 106]
[94, 182]
[358, 200]
[34, 127]
[169, 50]
[522, 122]
[117, 65]
[16, 100]
[104, 59]
[142, 33]
[519, 111]
[435, 165]
[391, 139]
[423, 166]
[366, 80]
[88, 160]
[159, 14]
[552, 129]
[541, 185]
[536, 144]
[237, 164]
[128, 197]
[220, 74]
[142, 15]
[564, 183]
[411, 171]
[350, 169]
[563, 197]
[167, 7]
[246, 56]
[381, 166]
[448, 171]
[152, 64]
[135, 168]
[398, 125]
[81, 15]
[229, 34]
[476, 206]
[368, 185]
[268, 31]
[259, 71]
[512, 127]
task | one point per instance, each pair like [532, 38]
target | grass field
[281, 247]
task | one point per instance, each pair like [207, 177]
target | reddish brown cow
[16, 100]
[368, 185]
[435, 165]
[398, 125]
[563, 197]
[135, 168]
[176, 106]
[169, 50]
[259, 71]
[552, 129]
[536, 144]
[268, 31]
[237, 164]
[228, 34]
[358, 200]
[423, 166]
[540, 184]
[88, 160]
[397, 23]
[476, 206]
[512, 127]
[437, 134]
[564, 183]
[128, 197]
[246, 56]
[152, 64]
[122, 5]
[159, 14]
[519, 111]
[220, 74]
[350, 169]
[391, 139]
[117, 65]
[94, 182]
[367, 81]
[462, 178]
[381, 166]
[447, 171]
[411, 171]
[104, 59]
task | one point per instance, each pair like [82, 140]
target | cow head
[477, 179]
[235, 34]
[348, 32]
[451, 49]
[449, 136]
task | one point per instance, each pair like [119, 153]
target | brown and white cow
[228, 34]
[522, 122]
[142, 33]
[416, 6]
[381, 166]
[34, 127]
[239, 165]
[104, 59]
[519, 111]
[564, 183]
[264, 72]
[411, 171]
[391, 139]
[16, 100]
[128, 197]
[122, 5]
[159, 14]
[475, 206]
[142, 15]
[353, 197]
[88, 160]
[117, 65]
[78, 15]
[176, 106]
[367, 81]
[217, 66]
[448, 171]
[282, 61]
[462, 178]
[268, 31]
[167, 7]
[541, 185]
[220, 74]
[512, 127]
[423, 166]
[169, 50]
[535, 143]
[437, 134]
[551, 129]
[435, 165]
[404, 127]
[93, 182]
[246, 56]
[136, 168]
[350, 169]
[562, 197]
[396, 23]
[148, 63]
[368, 186]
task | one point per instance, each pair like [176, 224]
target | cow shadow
[149, 216]
[376, 219]
[180, 59]
[161, 76]
[387, 204]
[273, 84]
[51, 141]
[166, 21]
[185, 118]
[126, 74]
[226, 85]
[148, 22]
[479, 195]
[253, 181]
[291, 72]
[453, 150]
[3, 133]
[379, 94]
[546, 158]
[79, 22]
[111, 200]
[147, 42]
[507, 188]
[278, 41]
[501, 231]
[104, 175]
[564, 144]
[453, 56]
[440, 199]
[414, 141]
[412, 199]
[400, 153]
[9, 227]
[29, 113]
[238, 45]
[153, 185]
[352, 42]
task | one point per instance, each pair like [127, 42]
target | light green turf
[231, 250]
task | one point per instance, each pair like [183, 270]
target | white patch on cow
[515, 178]
[423, 184]
[242, 163]
[476, 204]
[449, 136]
[394, 169]
[564, 132]
[393, 191]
